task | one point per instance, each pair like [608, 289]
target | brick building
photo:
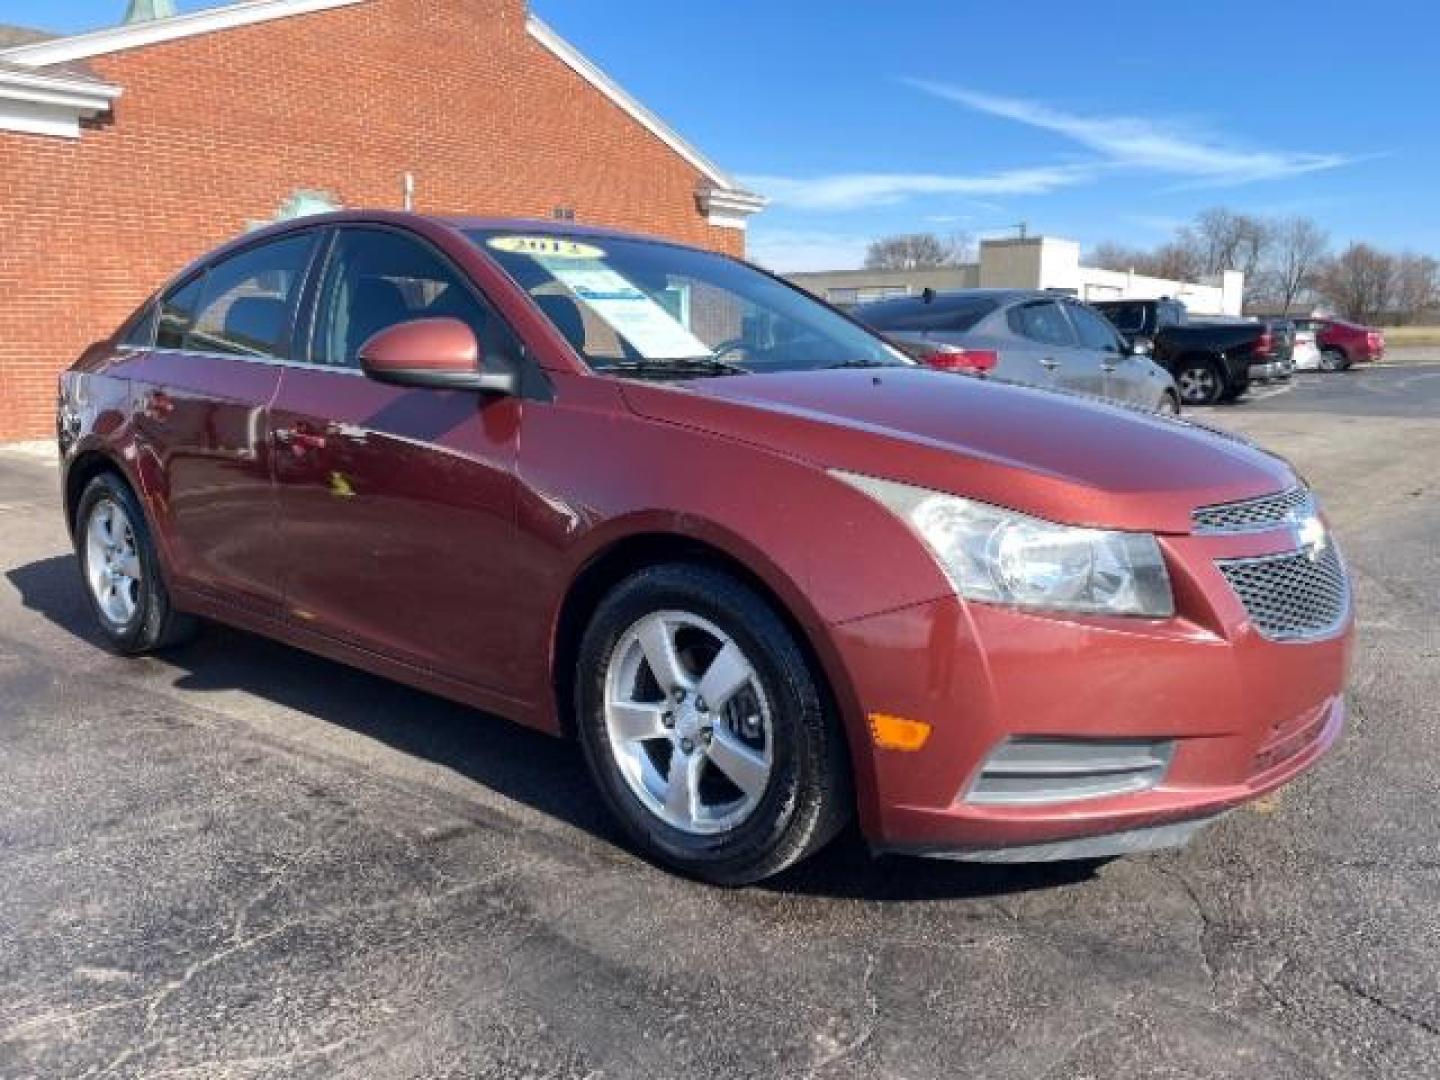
[126, 152]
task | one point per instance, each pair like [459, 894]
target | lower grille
[1292, 597]
[1027, 771]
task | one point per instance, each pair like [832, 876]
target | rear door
[397, 505]
[1041, 342]
[201, 412]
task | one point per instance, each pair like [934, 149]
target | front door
[397, 506]
[200, 401]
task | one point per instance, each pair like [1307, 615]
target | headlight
[1005, 557]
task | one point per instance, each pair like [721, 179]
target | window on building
[248, 299]
[376, 279]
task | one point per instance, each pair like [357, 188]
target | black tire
[154, 624]
[1200, 381]
[807, 798]
[1169, 404]
[1334, 360]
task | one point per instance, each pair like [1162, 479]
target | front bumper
[1245, 714]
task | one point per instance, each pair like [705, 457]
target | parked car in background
[1023, 336]
[769, 571]
[1343, 344]
[1212, 360]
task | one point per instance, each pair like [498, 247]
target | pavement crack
[859, 1042]
[1357, 991]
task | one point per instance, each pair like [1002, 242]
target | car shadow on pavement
[528, 767]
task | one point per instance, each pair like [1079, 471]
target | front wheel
[122, 570]
[1199, 382]
[705, 727]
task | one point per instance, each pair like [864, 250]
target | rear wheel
[1333, 360]
[122, 570]
[1199, 381]
[706, 729]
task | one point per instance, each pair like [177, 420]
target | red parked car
[1343, 344]
[768, 570]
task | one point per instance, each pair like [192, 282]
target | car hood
[1058, 456]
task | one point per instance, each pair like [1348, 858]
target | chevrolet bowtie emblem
[1310, 536]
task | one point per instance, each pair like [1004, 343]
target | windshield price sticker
[550, 247]
[630, 312]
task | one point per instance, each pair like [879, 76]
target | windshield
[643, 308]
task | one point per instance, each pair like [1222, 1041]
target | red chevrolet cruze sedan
[766, 569]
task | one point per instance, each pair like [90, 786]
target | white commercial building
[1033, 262]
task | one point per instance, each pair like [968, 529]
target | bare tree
[1110, 256]
[1298, 246]
[1360, 282]
[912, 251]
[1416, 287]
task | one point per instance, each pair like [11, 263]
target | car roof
[1000, 296]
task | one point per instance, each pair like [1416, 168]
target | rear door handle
[1107, 368]
[1050, 363]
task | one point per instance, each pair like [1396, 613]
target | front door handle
[1107, 368]
[157, 405]
[299, 439]
[1050, 363]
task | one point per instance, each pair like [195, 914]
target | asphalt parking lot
[242, 861]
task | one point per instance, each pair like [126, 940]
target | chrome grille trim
[1028, 771]
[1292, 597]
[1254, 515]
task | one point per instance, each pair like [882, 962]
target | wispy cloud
[857, 191]
[1163, 146]
[788, 250]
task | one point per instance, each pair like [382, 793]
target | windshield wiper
[679, 365]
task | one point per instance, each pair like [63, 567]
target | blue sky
[937, 115]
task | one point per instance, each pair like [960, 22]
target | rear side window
[955, 314]
[177, 313]
[1043, 322]
[248, 300]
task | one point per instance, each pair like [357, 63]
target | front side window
[610, 297]
[1127, 318]
[248, 300]
[376, 279]
[1043, 322]
[1094, 331]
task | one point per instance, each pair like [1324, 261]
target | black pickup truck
[1212, 360]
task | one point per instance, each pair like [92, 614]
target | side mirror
[1140, 347]
[438, 354]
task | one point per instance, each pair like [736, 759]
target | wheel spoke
[129, 565]
[635, 721]
[727, 674]
[682, 787]
[659, 649]
[745, 768]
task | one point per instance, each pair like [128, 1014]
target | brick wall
[216, 131]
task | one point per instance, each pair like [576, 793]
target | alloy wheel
[112, 562]
[688, 722]
[1198, 386]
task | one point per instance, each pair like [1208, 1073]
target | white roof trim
[136, 35]
[583, 66]
[46, 104]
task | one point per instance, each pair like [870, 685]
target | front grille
[1291, 597]
[1254, 515]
